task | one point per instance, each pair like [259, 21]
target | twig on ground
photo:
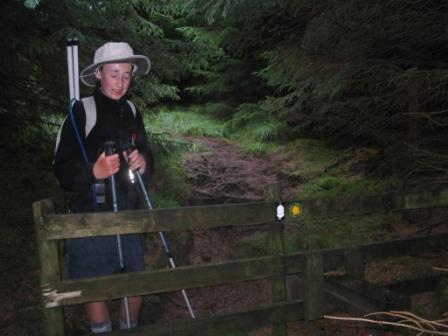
[403, 319]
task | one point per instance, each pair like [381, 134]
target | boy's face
[115, 79]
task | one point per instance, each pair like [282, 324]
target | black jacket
[115, 121]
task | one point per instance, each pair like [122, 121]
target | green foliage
[341, 232]
[187, 122]
[217, 109]
[255, 128]
[331, 186]
[170, 188]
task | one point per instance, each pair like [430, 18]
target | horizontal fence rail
[359, 205]
[177, 219]
[66, 292]
[334, 258]
[76, 225]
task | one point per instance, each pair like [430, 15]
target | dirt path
[222, 173]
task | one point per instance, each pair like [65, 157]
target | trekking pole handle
[109, 148]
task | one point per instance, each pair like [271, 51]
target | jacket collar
[106, 101]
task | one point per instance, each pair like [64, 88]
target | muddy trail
[221, 173]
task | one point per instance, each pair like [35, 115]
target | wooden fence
[309, 266]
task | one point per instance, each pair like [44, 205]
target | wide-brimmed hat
[115, 52]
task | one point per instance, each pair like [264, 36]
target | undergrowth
[334, 186]
[186, 122]
[256, 131]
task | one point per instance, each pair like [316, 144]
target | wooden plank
[187, 218]
[93, 289]
[418, 285]
[224, 324]
[359, 205]
[203, 217]
[360, 297]
[336, 258]
[378, 251]
[313, 300]
[424, 199]
[49, 266]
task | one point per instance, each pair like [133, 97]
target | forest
[349, 73]
[328, 97]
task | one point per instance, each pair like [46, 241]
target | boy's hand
[106, 166]
[135, 161]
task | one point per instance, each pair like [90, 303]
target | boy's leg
[98, 316]
[135, 304]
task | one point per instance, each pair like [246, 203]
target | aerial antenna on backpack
[73, 68]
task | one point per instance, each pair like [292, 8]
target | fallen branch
[403, 319]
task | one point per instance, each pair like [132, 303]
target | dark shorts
[97, 256]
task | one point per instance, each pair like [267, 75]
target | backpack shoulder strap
[58, 137]
[90, 108]
[134, 110]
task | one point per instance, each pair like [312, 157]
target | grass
[185, 122]
[170, 181]
[256, 137]
[325, 172]
[314, 157]
[334, 186]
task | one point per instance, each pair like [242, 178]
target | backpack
[90, 109]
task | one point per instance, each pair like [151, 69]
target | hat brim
[141, 63]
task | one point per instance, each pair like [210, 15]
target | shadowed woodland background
[350, 73]
[369, 77]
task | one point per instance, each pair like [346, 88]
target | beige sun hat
[115, 52]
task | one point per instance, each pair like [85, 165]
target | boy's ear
[98, 74]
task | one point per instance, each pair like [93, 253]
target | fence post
[354, 263]
[49, 266]
[277, 247]
[314, 286]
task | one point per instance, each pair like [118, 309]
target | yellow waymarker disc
[295, 209]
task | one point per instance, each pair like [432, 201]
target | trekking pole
[73, 68]
[166, 248]
[109, 150]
